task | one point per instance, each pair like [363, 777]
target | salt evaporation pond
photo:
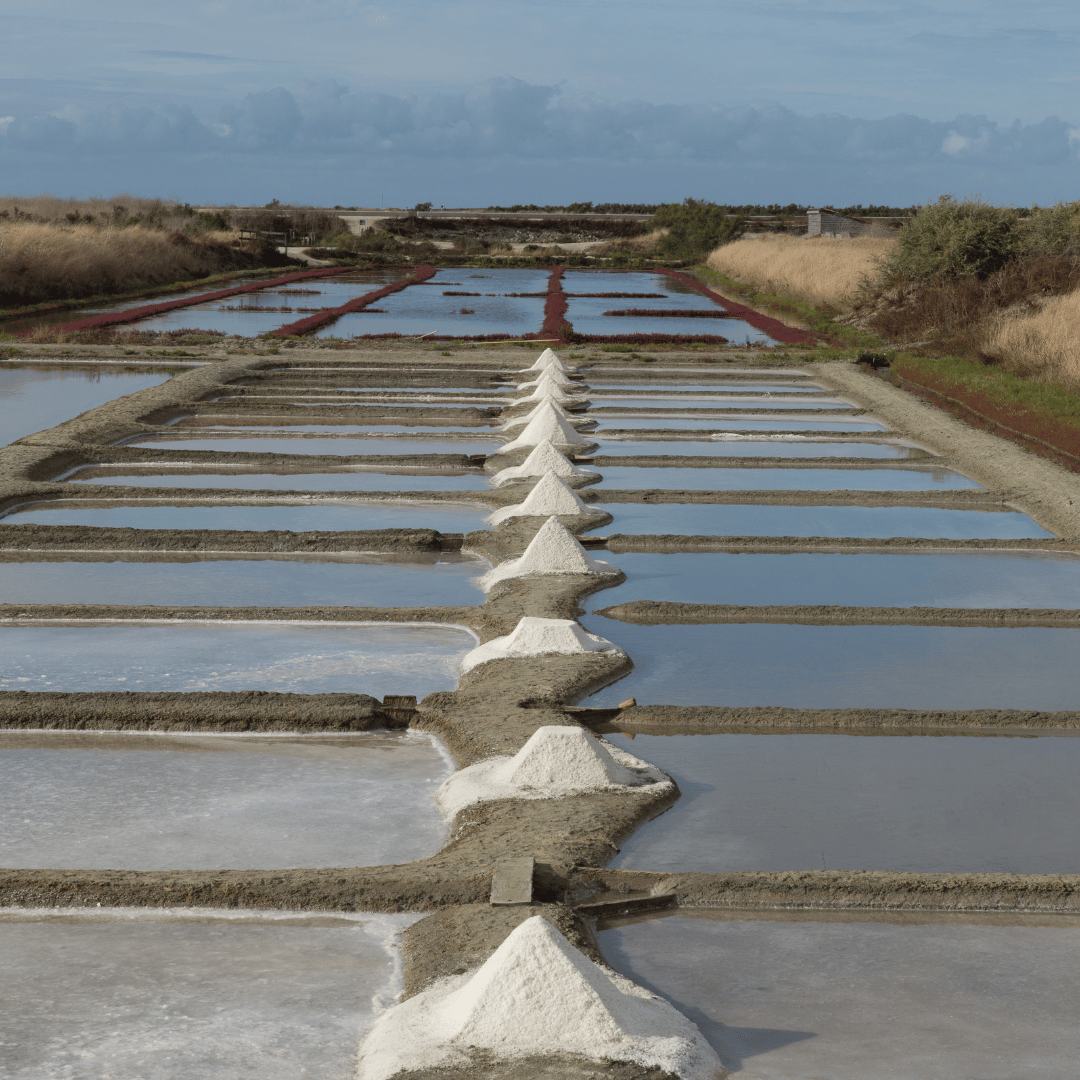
[32, 400]
[182, 656]
[422, 309]
[749, 447]
[719, 387]
[844, 667]
[248, 321]
[958, 579]
[723, 519]
[673, 402]
[586, 313]
[437, 579]
[919, 804]
[138, 801]
[806, 996]
[724, 423]
[352, 480]
[300, 517]
[343, 445]
[238, 426]
[640, 478]
[197, 993]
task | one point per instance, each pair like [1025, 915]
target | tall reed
[1044, 345]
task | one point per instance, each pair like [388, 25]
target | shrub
[694, 227]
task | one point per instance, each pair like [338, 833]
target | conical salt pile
[548, 359]
[554, 375]
[553, 550]
[555, 763]
[550, 495]
[545, 458]
[547, 425]
[536, 994]
[536, 637]
[546, 389]
[539, 409]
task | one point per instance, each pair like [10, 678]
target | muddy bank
[701, 719]
[653, 612]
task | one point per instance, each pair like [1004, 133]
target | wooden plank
[512, 882]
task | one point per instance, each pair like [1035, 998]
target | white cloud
[954, 144]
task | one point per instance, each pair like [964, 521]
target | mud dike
[743, 567]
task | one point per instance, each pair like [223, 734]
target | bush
[694, 227]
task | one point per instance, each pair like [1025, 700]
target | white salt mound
[555, 763]
[547, 425]
[550, 391]
[548, 358]
[540, 409]
[536, 994]
[550, 495]
[553, 550]
[534, 636]
[545, 458]
[560, 378]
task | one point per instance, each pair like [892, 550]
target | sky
[482, 102]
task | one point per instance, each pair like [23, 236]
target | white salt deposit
[541, 409]
[560, 378]
[536, 994]
[555, 763]
[534, 636]
[550, 495]
[553, 550]
[548, 425]
[548, 358]
[548, 390]
[545, 458]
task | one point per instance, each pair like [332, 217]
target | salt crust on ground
[549, 359]
[539, 410]
[536, 994]
[547, 425]
[534, 636]
[555, 763]
[550, 495]
[545, 458]
[553, 550]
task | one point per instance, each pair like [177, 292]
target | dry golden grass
[1045, 344]
[824, 271]
[48, 261]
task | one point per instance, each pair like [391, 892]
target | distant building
[826, 222]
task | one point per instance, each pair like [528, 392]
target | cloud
[506, 123]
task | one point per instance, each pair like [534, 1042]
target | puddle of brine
[719, 519]
[443, 579]
[722, 424]
[299, 481]
[133, 994]
[918, 804]
[295, 658]
[845, 667]
[802, 448]
[995, 579]
[343, 446]
[32, 401]
[634, 478]
[302, 517]
[732, 386]
[130, 801]
[728, 401]
[805, 1000]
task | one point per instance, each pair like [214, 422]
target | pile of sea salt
[545, 458]
[547, 422]
[550, 495]
[553, 550]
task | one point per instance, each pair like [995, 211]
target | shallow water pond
[422, 309]
[33, 400]
[344, 445]
[296, 658]
[353, 480]
[157, 994]
[672, 402]
[635, 478]
[718, 387]
[299, 517]
[960, 579]
[795, 999]
[845, 667]
[919, 804]
[442, 579]
[134, 801]
[748, 447]
[722, 423]
[718, 519]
